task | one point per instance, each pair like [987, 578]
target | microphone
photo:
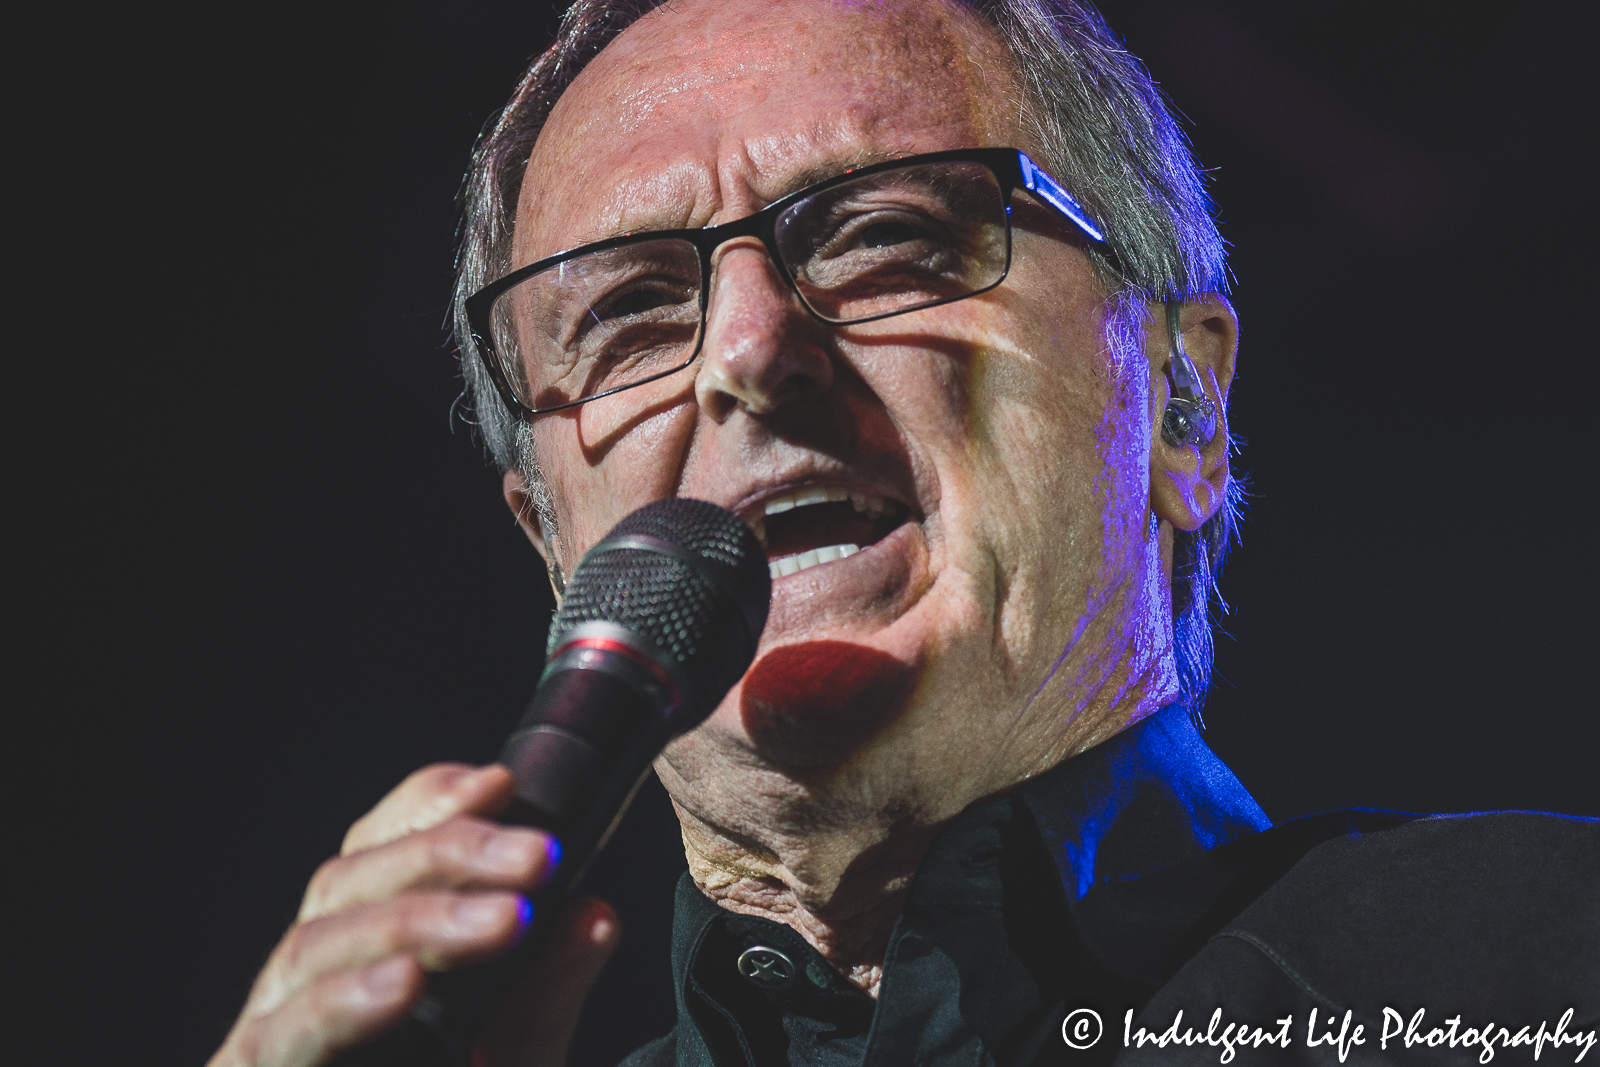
[658, 622]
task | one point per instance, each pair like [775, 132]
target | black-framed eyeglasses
[870, 243]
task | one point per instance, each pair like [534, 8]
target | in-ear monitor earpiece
[1191, 416]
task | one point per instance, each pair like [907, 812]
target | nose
[762, 350]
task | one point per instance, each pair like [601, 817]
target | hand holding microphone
[658, 622]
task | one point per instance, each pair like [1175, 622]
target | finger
[427, 798]
[337, 1011]
[462, 853]
[535, 1028]
[440, 930]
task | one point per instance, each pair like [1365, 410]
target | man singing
[928, 292]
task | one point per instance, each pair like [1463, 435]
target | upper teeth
[826, 494]
[815, 495]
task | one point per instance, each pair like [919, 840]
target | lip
[881, 582]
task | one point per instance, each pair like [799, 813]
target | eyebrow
[817, 172]
[821, 172]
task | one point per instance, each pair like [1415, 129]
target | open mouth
[822, 524]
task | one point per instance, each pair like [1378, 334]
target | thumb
[535, 1027]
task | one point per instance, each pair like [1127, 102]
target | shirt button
[766, 967]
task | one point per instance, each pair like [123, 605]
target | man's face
[994, 451]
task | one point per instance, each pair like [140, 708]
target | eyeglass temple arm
[1050, 191]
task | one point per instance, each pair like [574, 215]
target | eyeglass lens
[884, 244]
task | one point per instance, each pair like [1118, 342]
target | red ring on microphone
[608, 644]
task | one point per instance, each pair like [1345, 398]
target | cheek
[598, 478]
[1040, 392]
[1054, 457]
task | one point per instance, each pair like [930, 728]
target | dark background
[267, 576]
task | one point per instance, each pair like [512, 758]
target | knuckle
[400, 924]
[293, 950]
[320, 888]
[423, 799]
[314, 951]
[418, 917]
[437, 927]
[429, 782]
[393, 926]
[455, 844]
[442, 846]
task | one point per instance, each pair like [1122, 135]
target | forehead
[706, 110]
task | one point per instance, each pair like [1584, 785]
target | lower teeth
[795, 564]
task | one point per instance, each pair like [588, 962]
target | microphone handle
[579, 755]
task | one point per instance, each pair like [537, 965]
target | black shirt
[1141, 877]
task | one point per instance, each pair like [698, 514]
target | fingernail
[553, 852]
[524, 911]
[477, 912]
[383, 980]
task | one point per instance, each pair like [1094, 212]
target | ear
[519, 498]
[1188, 484]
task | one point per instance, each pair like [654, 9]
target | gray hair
[1099, 124]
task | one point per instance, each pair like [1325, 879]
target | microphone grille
[698, 617]
[704, 529]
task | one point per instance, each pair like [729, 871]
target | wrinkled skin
[1021, 615]
[1025, 610]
